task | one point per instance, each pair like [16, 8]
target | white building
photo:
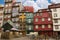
[55, 8]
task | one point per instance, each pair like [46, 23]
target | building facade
[22, 21]
[1, 15]
[7, 10]
[15, 14]
[29, 22]
[55, 8]
[43, 22]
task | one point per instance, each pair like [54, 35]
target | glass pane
[36, 20]
[36, 26]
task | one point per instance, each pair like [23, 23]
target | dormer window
[10, 4]
[30, 27]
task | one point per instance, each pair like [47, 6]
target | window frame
[36, 20]
[55, 20]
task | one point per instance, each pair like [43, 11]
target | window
[6, 10]
[10, 4]
[14, 14]
[13, 19]
[9, 16]
[56, 21]
[17, 24]
[6, 5]
[43, 26]
[29, 27]
[49, 19]
[28, 14]
[49, 26]
[15, 10]
[5, 16]
[16, 4]
[29, 20]
[17, 19]
[55, 15]
[9, 10]
[36, 20]
[56, 27]
[36, 26]
[54, 10]
[43, 19]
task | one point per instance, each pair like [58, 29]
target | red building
[28, 8]
[43, 22]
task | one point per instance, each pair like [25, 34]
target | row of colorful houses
[44, 21]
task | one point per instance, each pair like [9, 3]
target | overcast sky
[37, 4]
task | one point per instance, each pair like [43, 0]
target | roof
[7, 26]
[43, 10]
[54, 6]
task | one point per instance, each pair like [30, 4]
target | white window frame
[43, 26]
[56, 26]
[29, 20]
[49, 26]
[36, 26]
[36, 20]
[30, 27]
[49, 19]
[55, 14]
[6, 5]
[43, 19]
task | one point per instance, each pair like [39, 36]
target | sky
[37, 4]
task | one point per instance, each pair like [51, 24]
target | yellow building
[22, 18]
